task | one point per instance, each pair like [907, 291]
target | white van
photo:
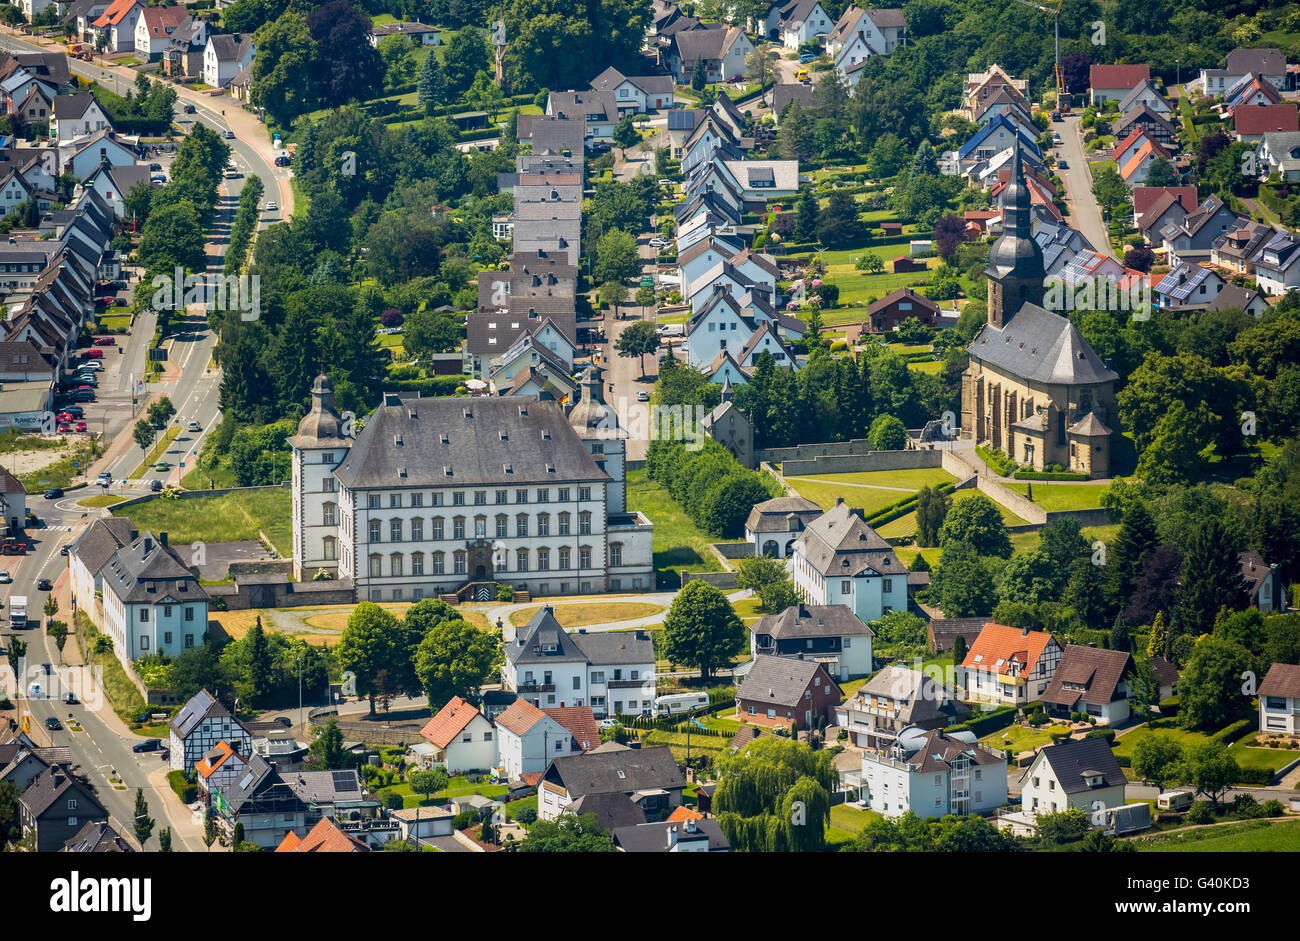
[680, 703]
[1174, 800]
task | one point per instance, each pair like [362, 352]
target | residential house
[465, 737]
[119, 21]
[154, 30]
[981, 86]
[55, 807]
[1279, 152]
[1146, 94]
[839, 559]
[1251, 90]
[152, 603]
[77, 115]
[491, 333]
[1232, 296]
[942, 633]
[932, 774]
[225, 56]
[183, 55]
[1081, 774]
[637, 94]
[785, 691]
[1155, 207]
[1159, 127]
[785, 94]
[115, 183]
[1188, 286]
[1268, 63]
[705, 255]
[613, 673]
[1006, 102]
[825, 633]
[994, 137]
[418, 33]
[1094, 681]
[1008, 666]
[529, 738]
[1137, 165]
[722, 49]
[1192, 239]
[1276, 268]
[1279, 700]
[81, 16]
[895, 699]
[597, 109]
[773, 525]
[859, 35]
[897, 307]
[272, 804]
[612, 810]
[103, 147]
[743, 273]
[324, 837]
[97, 837]
[681, 124]
[1264, 583]
[690, 836]
[1114, 82]
[795, 22]
[201, 726]
[1252, 122]
[650, 777]
[219, 769]
[1236, 249]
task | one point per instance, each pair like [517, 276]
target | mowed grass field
[1282, 836]
[906, 525]
[1053, 497]
[869, 490]
[678, 545]
[580, 615]
[227, 517]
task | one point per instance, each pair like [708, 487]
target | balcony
[536, 688]
[628, 684]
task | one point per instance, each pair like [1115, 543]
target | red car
[93, 353]
[105, 341]
[64, 416]
[81, 426]
[65, 426]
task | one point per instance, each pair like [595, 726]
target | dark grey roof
[812, 620]
[780, 681]
[230, 47]
[617, 772]
[938, 751]
[402, 445]
[101, 539]
[785, 92]
[97, 838]
[1069, 760]
[613, 810]
[201, 705]
[147, 571]
[773, 516]
[51, 785]
[1039, 345]
[324, 788]
[542, 630]
[919, 698]
[616, 647]
[654, 837]
[321, 427]
[839, 543]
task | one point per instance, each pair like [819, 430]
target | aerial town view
[632, 426]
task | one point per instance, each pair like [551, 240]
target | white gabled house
[529, 740]
[839, 560]
[464, 738]
[118, 22]
[932, 774]
[225, 56]
[77, 115]
[1081, 774]
[1279, 700]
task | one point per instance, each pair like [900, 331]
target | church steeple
[1015, 270]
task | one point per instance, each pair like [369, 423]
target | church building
[1035, 388]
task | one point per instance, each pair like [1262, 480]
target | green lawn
[1016, 739]
[1274, 759]
[114, 322]
[1244, 837]
[678, 544]
[459, 787]
[847, 822]
[1126, 743]
[860, 489]
[906, 525]
[231, 517]
[1053, 497]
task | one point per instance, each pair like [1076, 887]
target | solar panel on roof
[343, 781]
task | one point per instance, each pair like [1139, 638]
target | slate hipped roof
[617, 772]
[611, 810]
[938, 751]
[812, 620]
[773, 516]
[1040, 346]
[102, 538]
[1074, 760]
[147, 571]
[1088, 674]
[781, 681]
[655, 837]
[840, 543]
[532, 641]
[441, 442]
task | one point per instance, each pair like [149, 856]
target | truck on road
[18, 613]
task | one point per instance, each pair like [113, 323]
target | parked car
[660, 243]
[80, 426]
[149, 744]
[282, 160]
[93, 353]
[53, 493]
[83, 395]
[667, 183]
[65, 427]
[44, 584]
[105, 341]
[93, 365]
[64, 549]
[643, 396]
[807, 57]
[6, 578]
[1062, 165]
[76, 411]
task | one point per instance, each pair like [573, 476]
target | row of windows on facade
[397, 528]
[167, 612]
[167, 639]
[597, 676]
[416, 594]
[460, 561]
[375, 501]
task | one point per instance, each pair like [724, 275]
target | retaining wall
[725, 580]
[860, 463]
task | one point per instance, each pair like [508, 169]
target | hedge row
[987, 724]
[187, 792]
[1229, 734]
[245, 224]
[435, 386]
[887, 514]
[1050, 475]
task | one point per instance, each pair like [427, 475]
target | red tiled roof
[997, 644]
[520, 717]
[450, 721]
[205, 769]
[325, 837]
[580, 722]
[1117, 76]
[1265, 119]
[682, 814]
[1145, 196]
[114, 14]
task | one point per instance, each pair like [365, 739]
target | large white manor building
[447, 496]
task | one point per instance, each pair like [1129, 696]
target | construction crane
[1056, 25]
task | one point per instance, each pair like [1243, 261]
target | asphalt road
[1085, 214]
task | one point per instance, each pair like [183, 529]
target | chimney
[672, 837]
[148, 545]
[1024, 632]
[162, 539]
